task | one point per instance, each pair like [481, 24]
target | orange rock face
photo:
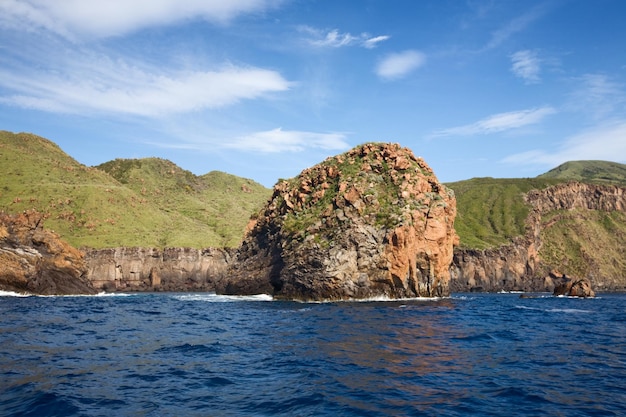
[37, 261]
[372, 222]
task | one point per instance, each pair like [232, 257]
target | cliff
[372, 222]
[576, 228]
[150, 269]
[37, 261]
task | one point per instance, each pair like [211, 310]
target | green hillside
[585, 242]
[491, 211]
[216, 205]
[144, 203]
[602, 172]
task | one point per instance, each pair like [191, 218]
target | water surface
[208, 355]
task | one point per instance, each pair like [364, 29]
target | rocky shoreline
[37, 261]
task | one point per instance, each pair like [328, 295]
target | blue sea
[201, 354]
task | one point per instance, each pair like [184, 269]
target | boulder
[373, 222]
[571, 287]
[37, 261]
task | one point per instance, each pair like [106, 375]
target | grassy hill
[491, 211]
[598, 172]
[153, 202]
[148, 202]
[215, 204]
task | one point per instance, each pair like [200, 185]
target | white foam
[568, 310]
[215, 298]
[377, 299]
[100, 294]
[12, 294]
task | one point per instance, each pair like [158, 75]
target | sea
[202, 354]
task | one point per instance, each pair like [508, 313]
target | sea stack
[372, 222]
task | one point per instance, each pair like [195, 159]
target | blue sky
[266, 88]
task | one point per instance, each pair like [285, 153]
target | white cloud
[526, 66]
[517, 25]
[498, 122]
[398, 65]
[597, 96]
[373, 42]
[117, 17]
[607, 142]
[278, 140]
[335, 39]
[91, 84]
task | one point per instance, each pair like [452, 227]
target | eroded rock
[37, 261]
[374, 221]
[570, 286]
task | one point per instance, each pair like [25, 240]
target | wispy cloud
[70, 18]
[279, 140]
[604, 142]
[90, 84]
[335, 39]
[518, 24]
[598, 96]
[398, 65]
[500, 122]
[526, 65]
[373, 42]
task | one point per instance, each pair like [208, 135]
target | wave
[13, 294]
[218, 298]
[554, 310]
[100, 294]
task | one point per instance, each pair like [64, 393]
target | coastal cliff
[573, 227]
[37, 261]
[151, 269]
[372, 222]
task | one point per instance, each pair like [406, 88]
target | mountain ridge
[92, 208]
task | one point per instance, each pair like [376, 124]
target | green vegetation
[584, 242]
[153, 202]
[598, 172]
[145, 202]
[491, 211]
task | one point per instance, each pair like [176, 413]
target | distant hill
[145, 202]
[216, 204]
[602, 172]
[491, 211]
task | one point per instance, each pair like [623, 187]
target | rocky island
[372, 222]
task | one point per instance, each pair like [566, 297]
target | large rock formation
[37, 261]
[520, 266]
[151, 269]
[372, 222]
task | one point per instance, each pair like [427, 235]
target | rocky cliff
[374, 221]
[150, 269]
[37, 261]
[574, 227]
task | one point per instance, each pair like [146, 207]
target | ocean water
[208, 355]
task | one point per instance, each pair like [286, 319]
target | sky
[263, 89]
